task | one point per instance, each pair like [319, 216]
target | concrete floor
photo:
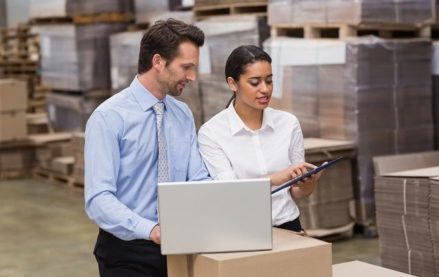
[45, 232]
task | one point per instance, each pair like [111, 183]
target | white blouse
[233, 151]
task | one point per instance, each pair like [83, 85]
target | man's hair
[164, 38]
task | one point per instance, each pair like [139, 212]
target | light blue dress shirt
[121, 155]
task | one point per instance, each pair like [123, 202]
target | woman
[250, 140]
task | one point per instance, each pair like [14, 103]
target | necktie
[163, 173]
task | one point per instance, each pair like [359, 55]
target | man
[135, 139]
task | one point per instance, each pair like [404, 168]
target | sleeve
[216, 160]
[102, 162]
[196, 169]
[296, 150]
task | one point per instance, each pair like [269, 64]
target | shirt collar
[236, 123]
[144, 97]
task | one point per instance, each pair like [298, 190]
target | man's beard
[174, 90]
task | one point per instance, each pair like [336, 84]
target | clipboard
[306, 175]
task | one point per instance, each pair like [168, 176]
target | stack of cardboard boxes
[75, 57]
[369, 90]
[16, 153]
[78, 142]
[330, 206]
[13, 105]
[350, 11]
[406, 204]
[292, 255]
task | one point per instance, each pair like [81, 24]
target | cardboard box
[13, 95]
[13, 125]
[406, 209]
[360, 269]
[292, 255]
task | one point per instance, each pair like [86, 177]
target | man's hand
[155, 234]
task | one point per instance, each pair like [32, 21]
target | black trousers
[291, 225]
[117, 257]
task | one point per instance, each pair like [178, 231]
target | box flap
[395, 163]
[420, 172]
[317, 144]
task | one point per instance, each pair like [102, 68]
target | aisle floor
[45, 232]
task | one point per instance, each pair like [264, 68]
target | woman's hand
[304, 188]
[301, 189]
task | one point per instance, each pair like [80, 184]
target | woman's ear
[158, 62]
[232, 84]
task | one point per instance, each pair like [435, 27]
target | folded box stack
[225, 33]
[350, 12]
[70, 8]
[328, 207]
[405, 206]
[368, 90]
[435, 80]
[78, 142]
[76, 57]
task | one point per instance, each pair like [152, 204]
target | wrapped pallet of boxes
[54, 146]
[3, 13]
[147, 12]
[367, 90]
[78, 142]
[16, 160]
[77, 57]
[353, 12]
[53, 154]
[405, 206]
[13, 105]
[124, 56]
[225, 33]
[124, 62]
[215, 94]
[70, 8]
[70, 112]
[435, 69]
[292, 255]
[361, 269]
[329, 207]
[434, 218]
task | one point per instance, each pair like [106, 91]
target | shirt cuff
[143, 229]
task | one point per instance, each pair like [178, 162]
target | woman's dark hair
[240, 58]
[164, 38]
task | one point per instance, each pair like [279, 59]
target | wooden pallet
[333, 234]
[14, 174]
[259, 8]
[86, 19]
[342, 31]
[138, 27]
[55, 178]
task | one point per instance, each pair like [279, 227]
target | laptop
[215, 216]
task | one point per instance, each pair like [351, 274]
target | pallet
[333, 234]
[138, 27]
[86, 19]
[259, 8]
[368, 231]
[55, 178]
[342, 31]
[103, 18]
[13, 174]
